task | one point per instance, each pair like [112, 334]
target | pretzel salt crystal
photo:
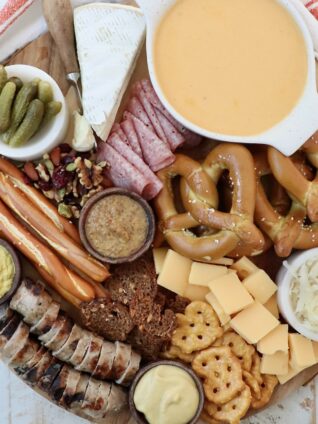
[239, 162]
[291, 178]
[175, 226]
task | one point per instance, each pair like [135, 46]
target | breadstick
[39, 200]
[61, 242]
[48, 265]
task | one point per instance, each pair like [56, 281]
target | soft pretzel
[239, 162]
[297, 185]
[175, 226]
[286, 231]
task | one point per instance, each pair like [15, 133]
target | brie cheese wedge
[109, 38]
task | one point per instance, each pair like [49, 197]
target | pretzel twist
[175, 226]
[239, 162]
[286, 231]
[292, 179]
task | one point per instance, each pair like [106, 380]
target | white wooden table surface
[20, 405]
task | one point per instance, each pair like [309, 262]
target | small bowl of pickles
[33, 112]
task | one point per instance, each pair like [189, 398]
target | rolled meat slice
[156, 153]
[69, 347]
[117, 400]
[105, 361]
[33, 375]
[31, 300]
[61, 337]
[122, 173]
[72, 382]
[81, 349]
[50, 374]
[16, 342]
[136, 108]
[130, 132]
[131, 370]
[122, 359]
[47, 320]
[91, 358]
[155, 185]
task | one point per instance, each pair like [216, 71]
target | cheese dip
[116, 226]
[7, 271]
[167, 394]
[231, 67]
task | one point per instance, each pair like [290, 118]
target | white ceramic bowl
[288, 135]
[48, 136]
[283, 279]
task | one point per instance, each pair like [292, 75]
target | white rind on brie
[109, 38]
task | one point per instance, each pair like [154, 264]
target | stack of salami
[143, 143]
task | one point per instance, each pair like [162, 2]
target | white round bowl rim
[289, 134]
[283, 280]
[49, 136]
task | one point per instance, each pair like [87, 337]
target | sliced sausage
[59, 384]
[9, 329]
[61, 336]
[131, 370]
[69, 347]
[50, 374]
[81, 349]
[105, 362]
[5, 314]
[73, 379]
[79, 395]
[101, 403]
[47, 320]
[32, 362]
[56, 327]
[33, 375]
[91, 358]
[31, 300]
[25, 354]
[15, 343]
[88, 405]
[122, 359]
[117, 400]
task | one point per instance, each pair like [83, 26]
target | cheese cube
[223, 261]
[254, 323]
[272, 306]
[175, 272]
[159, 256]
[260, 286]
[276, 340]
[222, 315]
[202, 274]
[196, 292]
[244, 267]
[290, 374]
[301, 351]
[315, 346]
[276, 364]
[230, 293]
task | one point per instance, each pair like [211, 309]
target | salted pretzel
[175, 226]
[239, 162]
[292, 179]
[287, 231]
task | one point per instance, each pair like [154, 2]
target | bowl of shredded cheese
[298, 292]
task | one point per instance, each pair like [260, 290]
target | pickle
[51, 110]
[17, 82]
[27, 93]
[3, 77]
[6, 100]
[29, 125]
[45, 93]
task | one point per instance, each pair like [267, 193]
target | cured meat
[174, 137]
[118, 130]
[47, 320]
[155, 151]
[137, 110]
[105, 362]
[130, 132]
[90, 360]
[122, 359]
[191, 139]
[122, 172]
[69, 347]
[155, 185]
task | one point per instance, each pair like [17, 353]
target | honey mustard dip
[116, 226]
[7, 271]
[167, 394]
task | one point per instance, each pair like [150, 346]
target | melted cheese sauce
[232, 67]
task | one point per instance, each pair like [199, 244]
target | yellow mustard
[7, 271]
[167, 395]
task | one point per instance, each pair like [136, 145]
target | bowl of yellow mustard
[10, 271]
[166, 392]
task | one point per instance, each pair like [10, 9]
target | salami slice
[136, 109]
[155, 185]
[157, 153]
[118, 130]
[191, 139]
[150, 110]
[130, 132]
[174, 137]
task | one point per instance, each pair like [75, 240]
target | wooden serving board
[43, 54]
